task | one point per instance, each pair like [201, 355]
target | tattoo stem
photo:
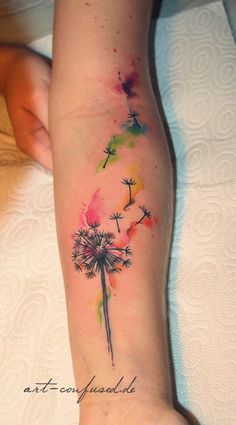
[146, 213]
[118, 226]
[141, 219]
[106, 314]
[131, 201]
[108, 151]
[116, 216]
[107, 158]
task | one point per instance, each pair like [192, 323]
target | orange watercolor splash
[113, 281]
[132, 173]
[132, 230]
[149, 222]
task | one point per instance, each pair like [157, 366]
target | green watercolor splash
[137, 131]
[126, 138]
[99, 307]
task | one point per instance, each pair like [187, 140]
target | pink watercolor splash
[93, 212]
[127, 84]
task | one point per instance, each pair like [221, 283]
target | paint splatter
[132, 172]
[149, 222]
[112, 281]
[93, 212]
[127, 138]
[132, 128]
[127, 84]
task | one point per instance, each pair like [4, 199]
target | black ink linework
[116, 216]
[146, 213]
[108, 151]
[94, 250]
[129, 182]
[133, 116]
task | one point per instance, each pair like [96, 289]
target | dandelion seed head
[116, 216]
[110, 151]
[128, 182]
[133, 114]
[96, 250]
[145, 211]
[127, 263]
[90, 275]
[77, 267]
[94, 225]
[127, 251]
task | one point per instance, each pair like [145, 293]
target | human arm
[24, 83]
[109, 160]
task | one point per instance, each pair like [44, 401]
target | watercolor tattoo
[95, 251]
[116, 217]
[130, 129]
[108, 151]
[129, 183]
[103, 253]
[145, 212]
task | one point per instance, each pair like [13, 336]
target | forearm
[93, 98]
[92, 41]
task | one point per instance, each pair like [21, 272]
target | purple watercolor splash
[128, 84]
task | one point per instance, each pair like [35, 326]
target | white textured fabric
[196, 62]
[196, 67]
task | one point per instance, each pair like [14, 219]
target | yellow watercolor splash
[100, 304]
[132, 172]
[127, 138]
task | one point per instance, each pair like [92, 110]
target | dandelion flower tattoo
[146, 213]
[108, 151]
[95, 251]
[116, 216]
[129, 183]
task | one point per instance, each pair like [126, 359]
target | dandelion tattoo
[133, 116]
[128, 89]
[95, 251]
[145, 214]
[131, 128]
[129, 183]
[116, 216]
[108, 151]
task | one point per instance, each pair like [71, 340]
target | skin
[85, 111]
[24, 82]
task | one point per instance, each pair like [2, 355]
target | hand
[26, 92]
